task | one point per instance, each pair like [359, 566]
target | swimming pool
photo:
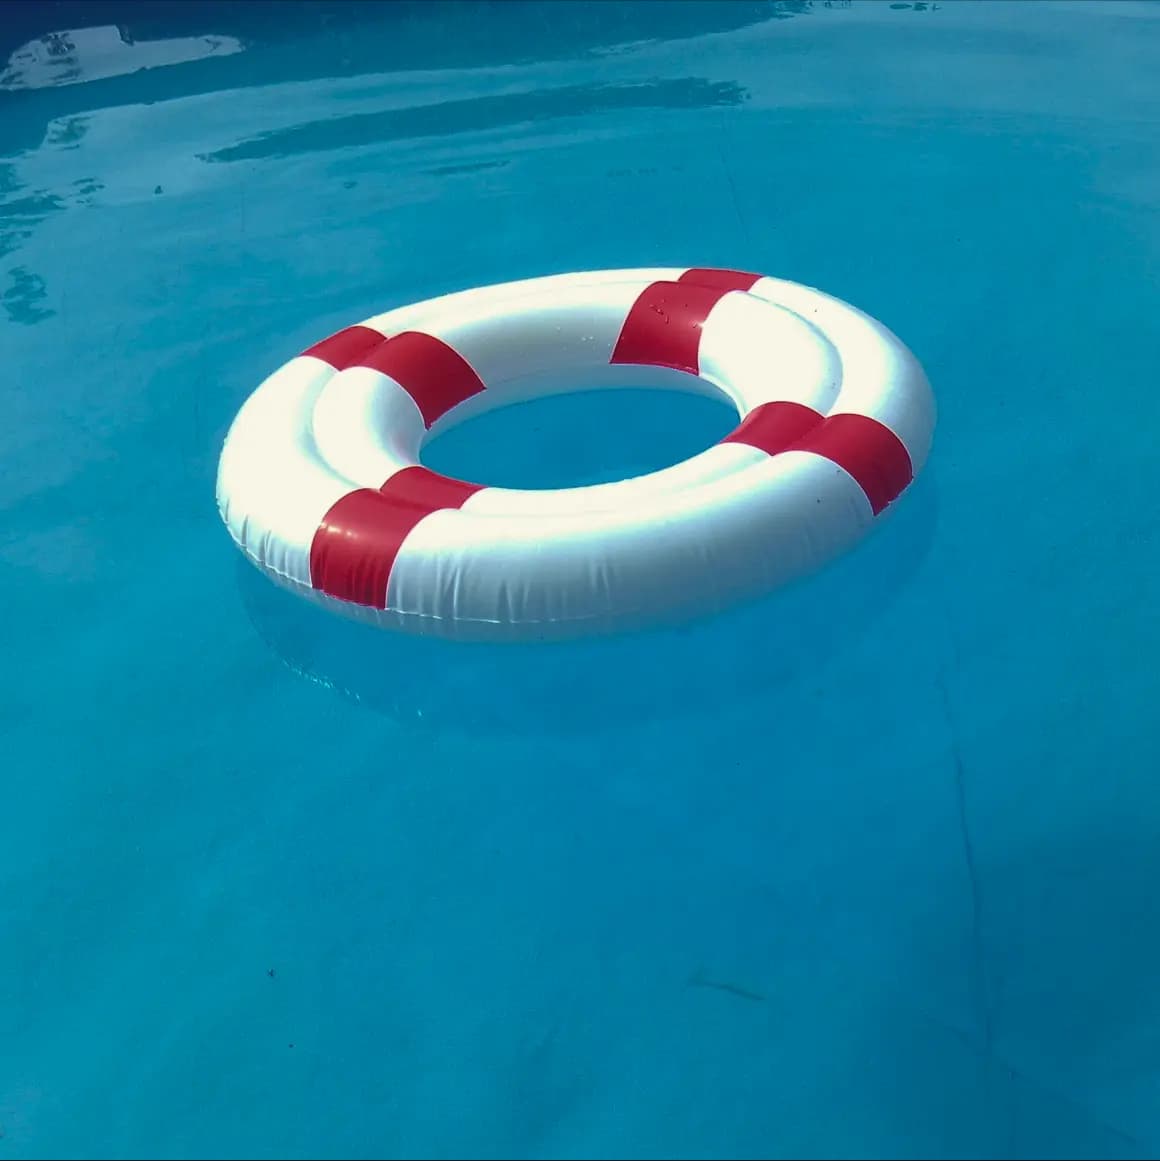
[864, 869]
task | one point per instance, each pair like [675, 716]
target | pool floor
[865, 869]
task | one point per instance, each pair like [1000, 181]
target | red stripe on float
[722, 279]
[869, 451]
[663, 326]
[347, 347]
[862, 446]
[436, 376]
[355, 546]
[775, 427]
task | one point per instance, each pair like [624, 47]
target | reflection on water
[345, 40]
[66, 133]
[23, 293]
[23, 298]
[20, 214]
[91, 54]
[701, 666]
[480, 114]
[76, 78]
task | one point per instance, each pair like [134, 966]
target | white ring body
[729, 522]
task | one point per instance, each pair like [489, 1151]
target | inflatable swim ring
[320, 484]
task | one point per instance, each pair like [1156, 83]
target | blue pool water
[868, 868]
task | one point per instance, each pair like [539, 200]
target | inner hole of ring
[576, 429]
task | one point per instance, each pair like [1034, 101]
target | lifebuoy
[320, 485]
